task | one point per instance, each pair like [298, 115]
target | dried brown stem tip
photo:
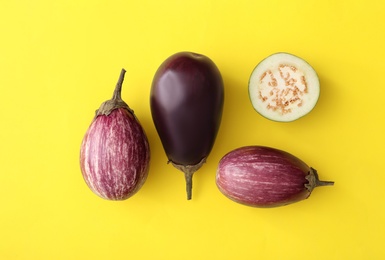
[189, 171]
[116, 102]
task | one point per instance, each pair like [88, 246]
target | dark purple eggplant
[187, 97]
[115, 154]
[265, 177]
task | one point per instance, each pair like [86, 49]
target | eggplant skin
[115, 155]
[263, 177]
[187, 97]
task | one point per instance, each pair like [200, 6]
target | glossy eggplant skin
[115, 153]
[265, 177]
[187, 97]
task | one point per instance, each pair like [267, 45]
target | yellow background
[60, 59]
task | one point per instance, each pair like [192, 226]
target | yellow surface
[60, 59]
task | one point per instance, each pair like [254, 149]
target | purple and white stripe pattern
[262, 177]
[115, 155]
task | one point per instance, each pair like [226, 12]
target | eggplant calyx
[189, 171]
[314, 181]
[116, 102]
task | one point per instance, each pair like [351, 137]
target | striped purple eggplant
[115, 154]
[265, 177]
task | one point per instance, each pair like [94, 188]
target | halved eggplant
[283, 87]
